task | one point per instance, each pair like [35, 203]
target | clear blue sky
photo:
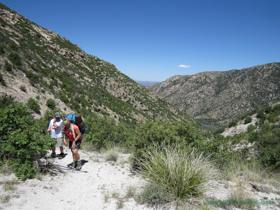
[149, 39]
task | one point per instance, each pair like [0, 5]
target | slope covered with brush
[37, 63]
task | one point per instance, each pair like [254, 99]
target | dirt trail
[104, 186]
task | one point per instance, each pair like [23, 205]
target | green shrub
[32, 77]
[220, 130]
[20, 138]
[63, 97]
[233, 123]
[183, 174]
[261, 115]
[2, 49]
[50, 103]
[154, 196]
[276, 108]
[248, 120]
[272, 117]
[14, 58]
[33, 105]
[13, 46]
[8, 66]
[163, 133]
[22, 88]
[250, 128]
[2, 81]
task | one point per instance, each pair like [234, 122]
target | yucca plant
[183, 174]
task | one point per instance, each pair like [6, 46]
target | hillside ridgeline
[217, 97]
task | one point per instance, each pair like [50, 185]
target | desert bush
[251, 128]
[20, 138]
[154, 196]
[183, 174]
[162, 133]
[33, 105]
[13, 46]
[220, 130]
[2, 49]
[272, 117]
[103, 132]
[22, 88]
[2, 81]
[248, 120]
[8, 67]
[14, 58]
[112, 154]
[50, 103]
[233, 123]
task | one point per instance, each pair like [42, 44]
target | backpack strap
[72, 129]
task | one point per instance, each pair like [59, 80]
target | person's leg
[53, 150]
[73, 155]
[77, 157]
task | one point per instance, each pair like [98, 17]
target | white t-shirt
[56, 133]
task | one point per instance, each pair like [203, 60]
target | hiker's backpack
[77, 120]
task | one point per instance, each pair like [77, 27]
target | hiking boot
[53, 155]
[79, 165]
[74, 164]
[61, 155]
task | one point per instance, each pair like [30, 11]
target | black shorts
[77, 144]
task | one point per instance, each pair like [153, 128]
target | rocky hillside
[39, 64]
[218, 97]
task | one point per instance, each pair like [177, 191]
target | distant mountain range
[218, 97]
[146, 83]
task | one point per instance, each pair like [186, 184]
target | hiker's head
[66, 122]
[57, 115]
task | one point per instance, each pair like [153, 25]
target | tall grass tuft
[183, 174]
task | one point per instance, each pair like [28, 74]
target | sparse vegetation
[112, 154]
[2, 81]
[22, 88]
[154, 196]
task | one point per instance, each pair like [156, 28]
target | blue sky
[152, 40]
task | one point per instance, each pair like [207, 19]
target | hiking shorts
[77, 144]
[59, 142]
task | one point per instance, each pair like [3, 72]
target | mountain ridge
[221, 96]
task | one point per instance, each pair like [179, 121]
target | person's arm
[64, 139]
[56, 124]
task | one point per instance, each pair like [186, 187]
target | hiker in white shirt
[55, 128]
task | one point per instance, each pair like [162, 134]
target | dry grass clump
[112, 154]
[5, 199]
[5, 167]
[87, 146]
[239, 170]
[179, 173]
[242, 199]
[131, 191]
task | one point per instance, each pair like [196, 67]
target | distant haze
[146, 83]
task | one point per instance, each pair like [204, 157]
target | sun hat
[57, 114]
[66, 121]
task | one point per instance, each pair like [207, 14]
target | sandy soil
[103, 185]
[77, 189]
